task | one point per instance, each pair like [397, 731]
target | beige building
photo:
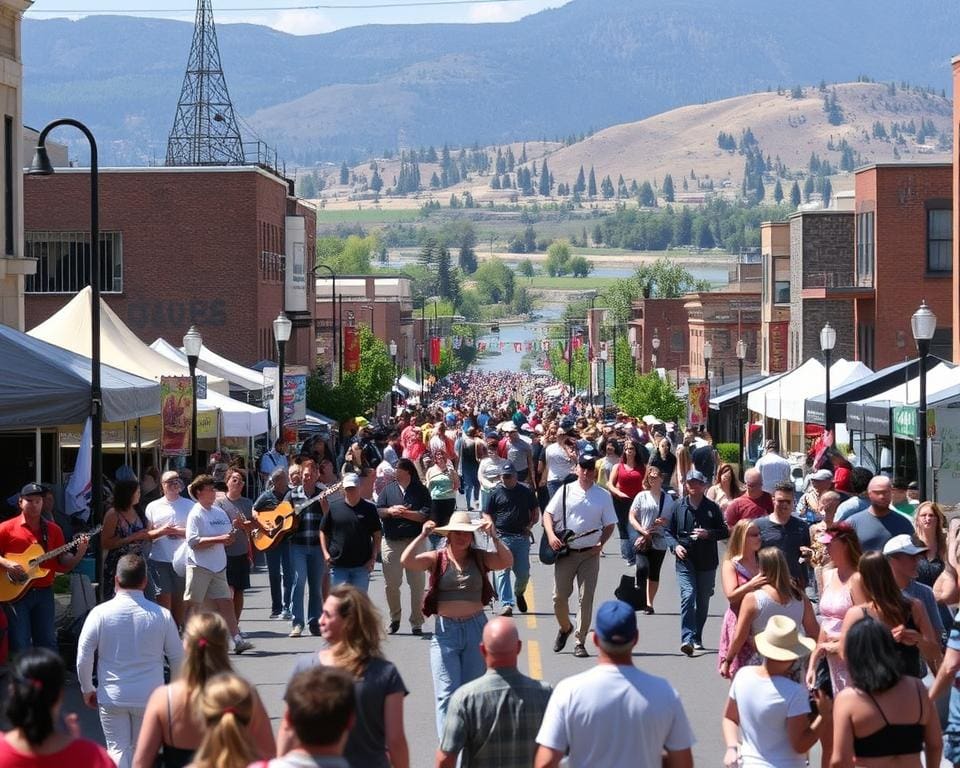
[13, 267]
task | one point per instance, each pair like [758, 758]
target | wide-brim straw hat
[781, 640]
[459, 521]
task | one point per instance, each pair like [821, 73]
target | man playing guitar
[31, 618]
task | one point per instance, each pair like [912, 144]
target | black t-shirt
[349, 531]
[510, 508]
[704, 459]
[788, 538]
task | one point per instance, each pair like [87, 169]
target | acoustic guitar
[549, 555]
[13, 587]
[275, 524]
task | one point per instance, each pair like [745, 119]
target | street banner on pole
[698, 402]
[351, 349]
[176, 406]
[435, 351]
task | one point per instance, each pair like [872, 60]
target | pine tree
[606, 187]
[827, 192]
[544, 180]
[495, 182]
[778, 193]
[647, 197]
[523, 154]
[444, 274]
[795, 195]
[807, 189]
[376, 183]
[344, 173]
[667, 189]
[592, 184]
[580, 185]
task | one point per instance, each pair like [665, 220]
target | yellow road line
[533, 658]
[531, 606]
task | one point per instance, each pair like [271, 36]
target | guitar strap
[564, 500]
[43, 534]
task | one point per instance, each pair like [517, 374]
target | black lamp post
[41, 166]
[741, 353]
[924, 324]
[707, 355]
[828, 340]
[282, 328]
[192, 344]
[333, 313]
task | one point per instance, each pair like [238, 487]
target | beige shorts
[206, 585]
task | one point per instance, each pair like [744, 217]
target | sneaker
[698, 646]
[276, 615]
[296, 631]
[687, 648]
[507, 610]
[393, 628]
[649, 610]
[561, 641]
[522, 603]
[241, 645]
[286, 615]
[580, 651]
[416, 630]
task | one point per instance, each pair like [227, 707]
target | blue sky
[292, 15]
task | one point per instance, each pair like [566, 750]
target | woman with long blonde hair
[684, 465]
[226, 707]
[779, 596]
[353, 630]
[170, 728]
[739, 575]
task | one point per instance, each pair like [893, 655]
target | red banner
[351, 349]
[435, 351]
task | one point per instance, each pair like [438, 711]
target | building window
[865, 334]
[63, 261]
[676, 341]
[781, 292]
[8, 202]
[865, 249]
[939, 240]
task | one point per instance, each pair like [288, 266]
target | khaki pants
[584, 567]
[390, 552]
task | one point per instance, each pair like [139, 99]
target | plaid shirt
[494, 720]
[308, 529]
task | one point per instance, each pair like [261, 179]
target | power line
[261, 9]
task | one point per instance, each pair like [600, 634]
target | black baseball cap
[588, 457]
[32, 489]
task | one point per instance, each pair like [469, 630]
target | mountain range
[586, 65]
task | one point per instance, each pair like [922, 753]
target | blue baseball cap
[616, 622]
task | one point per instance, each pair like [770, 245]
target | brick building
[723, 318]
[903, 255]
[774, 296]
[222, 248]
[821, 283]
[666, 320]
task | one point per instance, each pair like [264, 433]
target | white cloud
[294, 22]
[493, 12]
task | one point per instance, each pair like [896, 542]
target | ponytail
[36, 683]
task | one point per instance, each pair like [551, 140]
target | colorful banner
[435, 351]
[698, 402]
[176, 406]
[518, 346]
[481, 346]
[351, 349]
[294, 399]
[546, 345]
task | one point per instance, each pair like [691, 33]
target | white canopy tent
[784, 399]
[213, 364]
[939, 378]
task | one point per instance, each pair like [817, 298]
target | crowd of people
[838, 626]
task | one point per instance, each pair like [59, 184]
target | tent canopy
[939, 378]
[49, 386]
[727, 392]
[409, 384]
[213, 364]
[784, 399]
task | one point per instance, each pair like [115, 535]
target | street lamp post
[741, 353]
[828, 340]
[590, 361]
[41, 166]
[373, 330]
[603, 376]
[396, 376]
[282, 327]
[192, 344]
[923, 324]
[333, 313]
[707, 355]
[655, 343]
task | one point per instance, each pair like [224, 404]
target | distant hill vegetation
[589, 64]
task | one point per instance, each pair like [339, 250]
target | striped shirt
[308, 529]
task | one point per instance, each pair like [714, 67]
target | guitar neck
[67, 547]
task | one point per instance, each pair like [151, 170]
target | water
[509, 360]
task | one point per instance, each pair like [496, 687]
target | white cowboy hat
[459, 521]
[781, 641]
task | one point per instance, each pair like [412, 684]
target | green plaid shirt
[494, 720]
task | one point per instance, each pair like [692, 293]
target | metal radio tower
[205, 130]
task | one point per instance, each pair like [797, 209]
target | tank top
[834, 602]
[767, 607]
[630, 479]
[892, 738]
[461, 585]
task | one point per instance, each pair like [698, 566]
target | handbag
[547, 554]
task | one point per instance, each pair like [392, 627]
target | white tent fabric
[119, 346]
[766, 400]
[939, 378]
[409, 384]
[49, 386]
[784, 399]
[236, 419]
[213, 364]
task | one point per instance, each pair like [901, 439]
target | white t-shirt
[616, 717]
[586, 510]
[202, 523]
[161, 512]
[764, 704]
[773, 469]
[559, 465]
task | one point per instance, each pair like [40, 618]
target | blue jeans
[308, 567]
[455, 657]
[358, 576]
[519, 546]
[281, 587]
[471, 485]
[31, 621]
[696, 587]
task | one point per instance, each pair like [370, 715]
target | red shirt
[745, 508]
[79, 752]
[16, 537]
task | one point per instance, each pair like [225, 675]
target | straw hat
[780, 640]
[459, 521]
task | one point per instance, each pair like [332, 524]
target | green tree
[647, 197]
[544, 180]
[522, 303]
[558, 254]
[376, 183]
[778, 193]
[640, 395]
[668, 191]
[592, 184]
[525, 268]
[579, 266]
[354, 257]
[827, 192]
[529, 240]
[344, 173]
[495, 281]
[445, 279]
[359, 392]
[807, 189]
[664, 279]
[580, 185]
[795, 195]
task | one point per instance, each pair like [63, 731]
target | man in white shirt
[774, 469]
[615, 715]
[560, 458]
[271, 460]
[130, 636]
[580, 507]
[169, 512]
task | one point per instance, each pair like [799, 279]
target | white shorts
[206, 585]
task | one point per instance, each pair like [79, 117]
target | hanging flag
[435, 351]
[518, 346]
[351, 349]
[529, 346]
[501, 346]
[176, 414]
[565, 346]
[77, 495]
[481, 346]
[577, 342]
[546, 345]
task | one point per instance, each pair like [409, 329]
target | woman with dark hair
[664, 460]
[905, 617]
[33, 701]
[884, 717]
[124, 533]
[443, 482]
[841, 471]
[624, 483]
[727, 487]
[353, 630]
